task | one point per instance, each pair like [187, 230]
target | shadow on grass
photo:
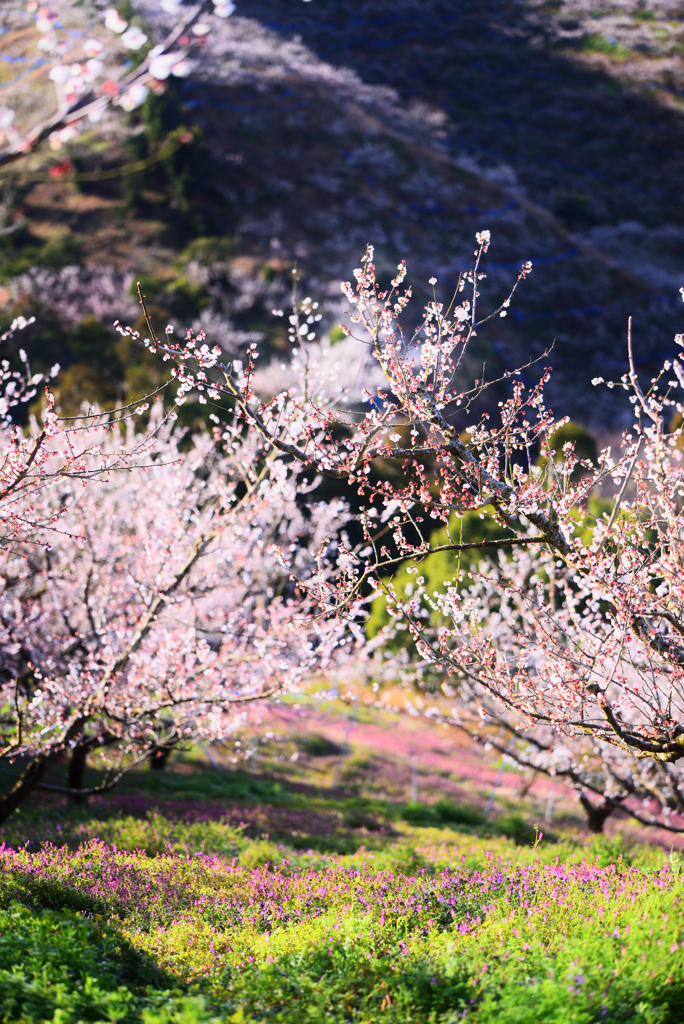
[58, 965]
[300, 815]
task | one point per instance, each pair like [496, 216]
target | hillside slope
[322, 127]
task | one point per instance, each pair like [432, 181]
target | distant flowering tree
[91, 73]
[575, 637]
[157, 606]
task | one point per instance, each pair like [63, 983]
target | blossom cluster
[89, 82]
[48, 453]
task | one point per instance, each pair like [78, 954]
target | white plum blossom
[160, 67]
[223, 8]
[180, 561]
[59, 74]
[92, 70]
[80, 93]
[182, 68]
[93, 48]
[134, 38]
[570, 635]
[134, 97]
[48, 43]
[114, 22]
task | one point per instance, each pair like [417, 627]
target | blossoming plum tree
[574, 639]
[531, 626]
[38, 462]
[158, 608]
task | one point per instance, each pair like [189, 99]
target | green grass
[595, 43]
[62, 966]
[98, 935]
[321, 907]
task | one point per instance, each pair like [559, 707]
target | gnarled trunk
[32, 775]
[26, 783]
[597, 814]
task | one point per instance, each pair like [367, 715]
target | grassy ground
[203, 894]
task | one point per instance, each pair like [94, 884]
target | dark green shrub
[320, 746]
[449, 813]
[61, 966]
[444, 812]
[516, 828]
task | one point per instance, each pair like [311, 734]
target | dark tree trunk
[160, 755]
[597, 814]
[76, 776]
[26, 783]
[77, 763]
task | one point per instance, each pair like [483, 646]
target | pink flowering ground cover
[482, 931]
[205, 894]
